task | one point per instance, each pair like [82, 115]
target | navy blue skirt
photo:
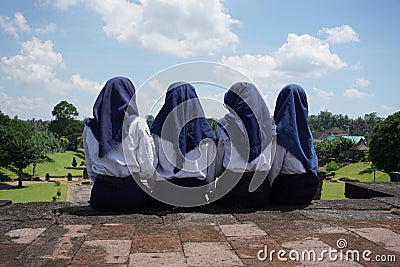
[118, 194]
[239, 196]
[294, 189]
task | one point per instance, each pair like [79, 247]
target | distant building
[355, 138]
[358, 151]
[332, 133]
[355, 152]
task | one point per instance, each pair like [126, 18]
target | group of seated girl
[250, 161]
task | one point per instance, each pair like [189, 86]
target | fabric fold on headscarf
[293, 131]
[181, 120]
[116, 99]
[244, 101]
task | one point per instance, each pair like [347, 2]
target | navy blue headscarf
[113, 102]
[293, 132]
[182, 115]
[244, 99]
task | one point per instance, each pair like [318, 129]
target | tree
[21, 145]
[66, 126]
[333, 149]
[323, 149]
[340, 145]
[370, 120]
[213, 123]
[149, 120]
[384, 146]
[64, 113]
[21, 153]
[359, 126]
[64, 110]
[5, 137]
[42, 144]
[4, 119]
[73, 132]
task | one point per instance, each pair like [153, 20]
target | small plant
[54, 198]
[69, 176]
[332, 166]
[47, 176]
[58, 193]
[57, 182]
[74, 163]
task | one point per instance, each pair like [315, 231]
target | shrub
[74, 163]
[58, 193]
[332, 166]
[57, 182]
[54, 198]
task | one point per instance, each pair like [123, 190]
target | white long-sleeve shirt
[199, 163]
[135, 154]
[229, 158]
[286, 163]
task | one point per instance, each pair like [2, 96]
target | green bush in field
[332, 166]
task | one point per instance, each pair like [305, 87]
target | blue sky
[345, 54]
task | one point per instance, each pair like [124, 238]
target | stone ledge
[58, 234]
[363, 190]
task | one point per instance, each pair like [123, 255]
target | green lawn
[55, 167]
[363, 172]
[357, 171]
[40, 192]
[332, 191]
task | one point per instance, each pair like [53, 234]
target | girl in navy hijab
[117, 145]
[244, 154]
[294, 173]
[184, 141]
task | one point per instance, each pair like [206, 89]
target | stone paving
[327, 233]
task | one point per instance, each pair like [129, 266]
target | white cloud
[182, 28]
[151, 95]
[306, 55]
[85, 85]
[387, 108]
[361, 82]
[19, 24]
[260, 66]
[355, 93]
[213, 106]
[301, 56]
[64, 4]
[5, 101]
[342, 34]
[16, 25]
[23, 105]
[357, 66]
[323, 93]
[35, 63]
[48, 28]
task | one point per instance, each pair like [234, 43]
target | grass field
[361, 171]
[332, 191]
[40, 192]
[55, 166]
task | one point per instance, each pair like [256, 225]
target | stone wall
[394, 176]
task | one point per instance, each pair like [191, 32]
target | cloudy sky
[344, 53]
